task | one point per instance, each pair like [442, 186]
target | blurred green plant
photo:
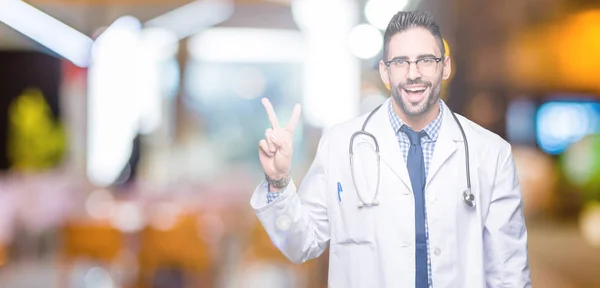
[581, 166]
[35, 140]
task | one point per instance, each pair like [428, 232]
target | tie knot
[413, 136]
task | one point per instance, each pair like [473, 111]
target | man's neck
[418, 123]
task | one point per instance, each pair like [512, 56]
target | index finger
[270, 113]
[294, 119]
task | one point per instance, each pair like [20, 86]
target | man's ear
[447, 68]
[383, 73]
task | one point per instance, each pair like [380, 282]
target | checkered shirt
[428, 142]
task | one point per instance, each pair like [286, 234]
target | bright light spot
[365, 41]
[589, 221]
[126, 86]
[561, 124]
[128, 217]
[260, 45]
[579, 161]
[331, 73]
[380, 12]
[318, 14]
[158, 43]
[100, 204]
[520, 121]
[113, 111]
[165, 216]
[98, 278]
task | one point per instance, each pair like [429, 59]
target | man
[420, 229]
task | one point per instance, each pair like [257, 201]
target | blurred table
[559, 257]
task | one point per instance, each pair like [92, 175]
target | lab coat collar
[446, 144]
[390, 151]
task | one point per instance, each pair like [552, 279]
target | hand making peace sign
[275, 151]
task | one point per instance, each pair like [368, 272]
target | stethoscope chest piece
[469, 198]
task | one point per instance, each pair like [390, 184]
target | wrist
[273, 189]
[277, 184]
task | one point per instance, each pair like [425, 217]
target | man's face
[415, 90]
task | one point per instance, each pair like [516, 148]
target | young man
[432, 221]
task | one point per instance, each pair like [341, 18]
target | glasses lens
[427, 67]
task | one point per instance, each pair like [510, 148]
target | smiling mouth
[415, 94]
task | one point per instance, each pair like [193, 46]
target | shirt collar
[432, 130]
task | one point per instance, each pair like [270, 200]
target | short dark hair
[405, 20]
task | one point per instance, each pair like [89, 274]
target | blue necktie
[416, 170]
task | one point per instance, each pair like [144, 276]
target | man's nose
[413, 71]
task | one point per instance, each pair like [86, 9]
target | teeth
[415, 90]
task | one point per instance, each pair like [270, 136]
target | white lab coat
[485, 246]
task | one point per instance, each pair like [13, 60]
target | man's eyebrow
[399, 58]
[426, 56]
[405, 58]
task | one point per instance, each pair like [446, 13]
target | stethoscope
[467, 195]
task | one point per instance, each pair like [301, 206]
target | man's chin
[414, 109]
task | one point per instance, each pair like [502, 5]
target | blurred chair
[97, 241]
[3, 254]
[263, 265]
[168, 255]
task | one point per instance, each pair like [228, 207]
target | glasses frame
[436, 59]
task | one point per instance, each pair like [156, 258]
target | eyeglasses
[425, 66]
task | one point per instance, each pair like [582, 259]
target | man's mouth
[415, 94]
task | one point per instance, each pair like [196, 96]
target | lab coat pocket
[353, 224]
[353, 265]
[355, 196]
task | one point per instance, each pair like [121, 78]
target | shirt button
[437, 251]
[283, 222]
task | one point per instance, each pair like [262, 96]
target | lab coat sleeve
[297, 221]
[505, 234]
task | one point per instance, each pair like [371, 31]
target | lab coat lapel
[389, 148]
[446, 143]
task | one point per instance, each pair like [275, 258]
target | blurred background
[129, 129]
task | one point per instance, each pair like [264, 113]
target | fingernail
[273, 138]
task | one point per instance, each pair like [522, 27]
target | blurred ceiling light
[326, 26]
[159, 43]
[365, 41]
[380, 12]
[260, 45]
[46, 30]
[113, 116]
[194, 17]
